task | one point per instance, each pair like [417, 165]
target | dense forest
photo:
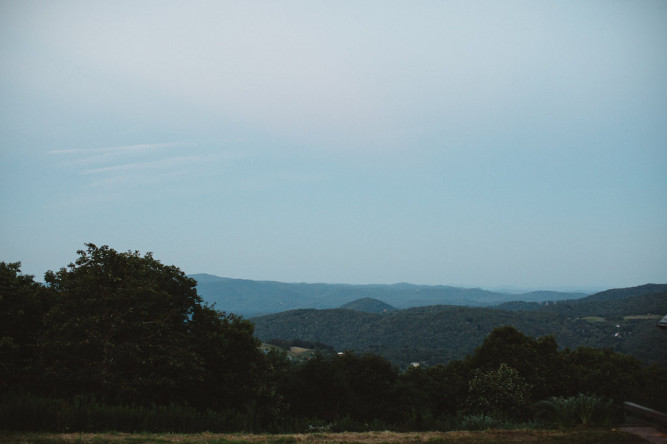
[119, 341]
[439, 334]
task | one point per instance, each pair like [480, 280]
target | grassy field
[584, 435]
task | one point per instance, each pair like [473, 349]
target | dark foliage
[503, 378]
[119, 327]
[126, 330]
[23, 303]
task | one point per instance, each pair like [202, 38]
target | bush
[478, 422]
[500, 393]
[582, 409]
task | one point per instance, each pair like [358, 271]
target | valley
[410, 324]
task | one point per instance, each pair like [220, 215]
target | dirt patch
[650, 434]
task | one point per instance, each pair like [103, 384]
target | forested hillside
[369, 305]
[624, 293]
[605, 299]
[439, 334]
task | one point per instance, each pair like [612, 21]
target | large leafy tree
[235, 372]
[129, 329]
[536, 359]
[606, 373]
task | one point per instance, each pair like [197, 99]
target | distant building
[663, 322]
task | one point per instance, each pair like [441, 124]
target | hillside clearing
[593, 319]
[647, 316]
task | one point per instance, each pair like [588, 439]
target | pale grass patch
[593, 319]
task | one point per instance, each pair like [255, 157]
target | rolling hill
[624, 293]
[440, 333]
[368, 305]
[604, 300]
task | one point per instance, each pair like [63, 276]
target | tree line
[119, 340]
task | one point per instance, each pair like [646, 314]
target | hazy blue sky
[473, 143]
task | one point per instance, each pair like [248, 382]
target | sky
[474, 143]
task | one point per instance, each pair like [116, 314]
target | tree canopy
[128, 329]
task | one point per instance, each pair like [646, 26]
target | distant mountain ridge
[624, 293]
[254, 298]
[600, 298]
[440, 333]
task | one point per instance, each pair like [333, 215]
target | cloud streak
[113, 158]
[123, 149]
[126, 172]
[159, 164]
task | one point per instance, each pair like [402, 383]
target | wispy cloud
[157, 164]
[131, 172]
[122, 172]
[123, 149]
[106, 156]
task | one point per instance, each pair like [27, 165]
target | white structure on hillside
[663, 322]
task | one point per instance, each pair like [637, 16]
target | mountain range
[255, 298]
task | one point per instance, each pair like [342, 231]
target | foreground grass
[584, 435]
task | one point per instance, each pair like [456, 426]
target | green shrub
[478, 422]
[582, 409]
[557, 411]
[500, 393]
